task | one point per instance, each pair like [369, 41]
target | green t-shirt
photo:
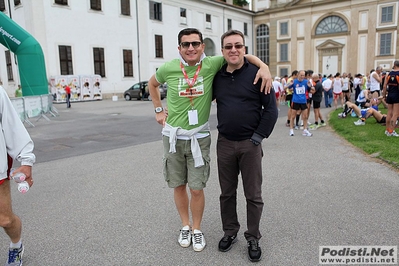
[178, 100]
[18, 93]
[364, 87]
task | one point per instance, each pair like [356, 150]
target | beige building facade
[327, 36]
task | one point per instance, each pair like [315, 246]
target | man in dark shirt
[317, 96]
[245, 117]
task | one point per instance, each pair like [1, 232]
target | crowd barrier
[38, 106]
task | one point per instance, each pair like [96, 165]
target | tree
[240, 2]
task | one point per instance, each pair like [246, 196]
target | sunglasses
[187, 44]
[230, 46]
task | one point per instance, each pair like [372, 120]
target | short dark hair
[396, 63]
[232, 32]
[294, 73]
[189, 31]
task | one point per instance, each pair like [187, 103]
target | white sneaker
[291, 132]
[198, 240]
[307, 133]
[185, 237]
[393, 134]
[359, 123]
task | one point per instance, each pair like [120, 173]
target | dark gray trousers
[234, 157]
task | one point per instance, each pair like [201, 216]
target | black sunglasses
[187, 44]
[230, 46]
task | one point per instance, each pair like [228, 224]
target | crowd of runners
[359, 95]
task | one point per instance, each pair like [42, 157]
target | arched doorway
[209, 47]
[330, 52]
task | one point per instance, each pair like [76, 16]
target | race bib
[300, 90]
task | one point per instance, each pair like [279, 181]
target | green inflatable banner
[30, 58]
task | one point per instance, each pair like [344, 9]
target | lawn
[370, 137]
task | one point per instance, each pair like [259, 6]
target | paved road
[107, 204]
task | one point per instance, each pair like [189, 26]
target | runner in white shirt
[345, 87]
[337, 90]
[327, 86]
[278, 90]
[375, 82]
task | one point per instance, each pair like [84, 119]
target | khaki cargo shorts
[178, 168]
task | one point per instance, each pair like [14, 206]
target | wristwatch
[158, 110]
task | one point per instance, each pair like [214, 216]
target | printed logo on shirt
[185, 91]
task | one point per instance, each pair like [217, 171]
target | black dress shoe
[226, 242]
[254, 251]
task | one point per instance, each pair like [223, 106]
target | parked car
[136, 92]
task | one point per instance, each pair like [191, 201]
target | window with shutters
[99, 61]
[10, 74]
[95, 5]
[262, 43]
[65, 53]
[155, 11]
[125, 7]
[385, 43]
[283, 52]
[158, 46]
[2, 6]
[229, 24]
[208, 21]
[387, 14]
[61, 2]
[127, 63]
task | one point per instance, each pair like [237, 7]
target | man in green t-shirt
[18, 91]
[186, 132]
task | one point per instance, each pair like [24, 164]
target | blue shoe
[15, 256]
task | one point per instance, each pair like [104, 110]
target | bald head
[301, 75]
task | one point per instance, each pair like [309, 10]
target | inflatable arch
[30, 58]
